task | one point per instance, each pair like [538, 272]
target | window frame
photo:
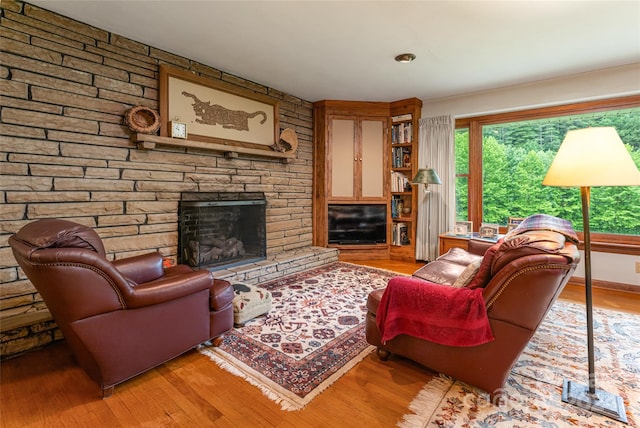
[609, 243]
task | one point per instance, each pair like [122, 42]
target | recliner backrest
[56, 233]
[66, 264]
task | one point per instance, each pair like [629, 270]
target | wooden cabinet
[353, 165]
[356, 158]
[405, 116]
[351, 158]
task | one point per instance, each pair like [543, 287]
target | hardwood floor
[45, 388]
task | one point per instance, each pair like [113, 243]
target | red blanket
[433, 312]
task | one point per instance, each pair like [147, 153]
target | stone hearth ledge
[279, 265]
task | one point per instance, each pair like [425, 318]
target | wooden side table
[448, 241]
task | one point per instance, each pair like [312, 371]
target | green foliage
[462, 167]
[516, 157]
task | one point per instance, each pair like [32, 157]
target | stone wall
[66, 153]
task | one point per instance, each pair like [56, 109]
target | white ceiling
[344, 49]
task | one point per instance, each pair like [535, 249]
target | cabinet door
[372, 158]
[342, 133]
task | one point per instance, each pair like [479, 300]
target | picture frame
[216, 111]
[489, 231]
[406, 160]
[463, 228]
[513, 222]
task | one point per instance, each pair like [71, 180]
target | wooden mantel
[147, 141]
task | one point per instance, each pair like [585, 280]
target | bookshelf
[403, 156]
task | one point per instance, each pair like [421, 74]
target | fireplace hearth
[218, 230]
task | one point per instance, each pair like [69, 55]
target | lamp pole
[427, 176]
[428, 194]
[585, 193]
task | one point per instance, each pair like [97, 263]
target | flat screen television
[357, 224]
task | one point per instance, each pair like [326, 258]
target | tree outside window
[515, 156]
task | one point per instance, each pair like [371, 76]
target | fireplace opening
[217, 230]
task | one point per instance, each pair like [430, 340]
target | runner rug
[313, 334]
[558, 350]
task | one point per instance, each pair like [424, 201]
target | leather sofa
[522, 279]
[124, 317]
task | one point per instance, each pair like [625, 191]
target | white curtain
[436, 150]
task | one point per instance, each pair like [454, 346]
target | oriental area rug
[558, 350]
[312, 336]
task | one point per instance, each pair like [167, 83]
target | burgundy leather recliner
[524, 280]
[124, 317]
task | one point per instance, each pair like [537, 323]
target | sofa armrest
[522, 292]
[142, 268]
[180, 269]
[373, 300]
[166, 289]
[433, 312]
[479, 247]
[221, 295]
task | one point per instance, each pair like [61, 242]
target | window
[502, 159]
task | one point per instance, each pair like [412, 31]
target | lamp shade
[426, 176]
[592, 157]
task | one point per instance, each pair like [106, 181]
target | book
[400, 234]
[404, 234]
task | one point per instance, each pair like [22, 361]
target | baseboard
[606, 285]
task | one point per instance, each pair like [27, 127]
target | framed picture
[463, 228]
[406, 160]
[215, 111]
[513, 222]
[489, 231]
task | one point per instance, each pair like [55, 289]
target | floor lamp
[427, 176]
[587, 158]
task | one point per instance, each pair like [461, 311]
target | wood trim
[412, 105]
[606, 285]
[319, 206]
[362, 252]
[475, 174]
[347, 108]
[544, 112]
[610, 247]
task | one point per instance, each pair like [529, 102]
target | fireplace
[218, 230]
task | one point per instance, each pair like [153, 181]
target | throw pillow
[448, 267]
[440, 272]
[459, 256]
[467, 274]
[484, 273]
